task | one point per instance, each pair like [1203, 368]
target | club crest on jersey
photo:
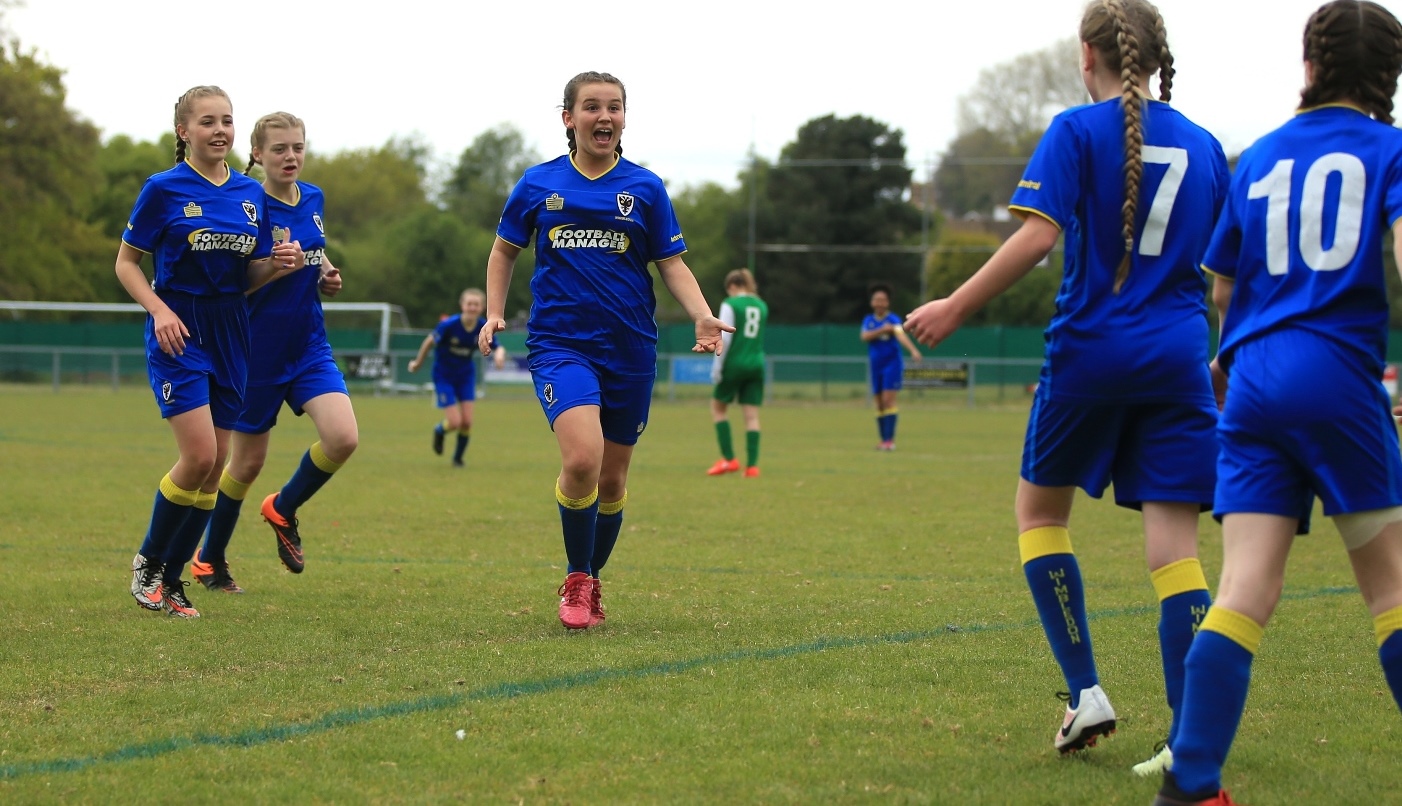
[316, 219]
[193, 210]
[166, 389]
[251, 210]
[554, 202]
[625, 203]
[548, 392]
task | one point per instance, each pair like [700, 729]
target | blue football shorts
[450, 391]
[1156, 452]
[886, 376]
[214, 367]
[318, 376]
[1305, 415]
[565, 379]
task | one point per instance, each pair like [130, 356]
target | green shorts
[746, 383]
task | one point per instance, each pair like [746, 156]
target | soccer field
[853, 626]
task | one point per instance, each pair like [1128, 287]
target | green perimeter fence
[806, 362]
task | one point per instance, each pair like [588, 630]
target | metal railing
[805, 376]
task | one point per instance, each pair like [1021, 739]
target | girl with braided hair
[290, 362]
[1125, 396]
[206, 227]
[1299, 283]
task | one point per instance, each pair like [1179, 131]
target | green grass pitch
[851, 627]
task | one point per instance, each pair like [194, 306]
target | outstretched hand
[708, 334]
[933, 322]
[488, 333]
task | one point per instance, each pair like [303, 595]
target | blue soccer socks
[1214, 697]
[224, 518]
[1054, 578]
[464, 434]
[1389, 630]
[578, 521]
[316, 469]
[168, 513]
[606, 529]
[187, 537]
[1183, 603]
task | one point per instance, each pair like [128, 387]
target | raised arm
[934, 321]
[905, 341]
[500, 263]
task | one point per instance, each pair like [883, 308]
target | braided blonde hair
[1131, 32]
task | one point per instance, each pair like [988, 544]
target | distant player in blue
[1300, 285]
[882, 332]
[454, 370]
[290, 362]
[1125, 396]
[207, 228]
[597, 220]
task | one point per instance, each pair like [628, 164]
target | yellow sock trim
[232, 487]
[1179, 577]
[1043, 541]
[1387, 624]
[176, 495]
[447, 426]
[576, 503]
[206, 500]
[466, 431]
[614, 507]
[320, 459]
[893, 410]
[1231, 624]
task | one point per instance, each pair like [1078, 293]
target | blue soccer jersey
[886, 349]
[593, 241]
[285, 316]
[1148, 342]
[201, 233]
[1302, 232]
[455, 346]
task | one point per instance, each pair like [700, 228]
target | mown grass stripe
[348, 717]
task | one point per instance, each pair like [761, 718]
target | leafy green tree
[126, 164]
[48, 171]
[705, 212]
[486, 172]
[835, 203]
[957, 254]
[1001, 119]
[369, 186]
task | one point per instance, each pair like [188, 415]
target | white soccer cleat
[1161, 762]
[1084, 726]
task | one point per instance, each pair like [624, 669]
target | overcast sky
[705, 79]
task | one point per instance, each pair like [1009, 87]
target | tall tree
[1001, 118]
[704, 212]
[835, 203]
[486, 171]
[48, 171]
[368, 186]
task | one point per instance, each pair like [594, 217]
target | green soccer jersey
[748, 314]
